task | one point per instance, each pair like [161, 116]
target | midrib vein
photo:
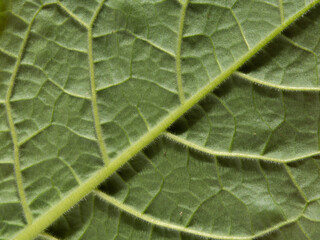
[42, 222]
[184, 6]
[209, 151]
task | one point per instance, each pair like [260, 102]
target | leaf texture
[85, 86]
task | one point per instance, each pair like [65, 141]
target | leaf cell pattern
[86, 87]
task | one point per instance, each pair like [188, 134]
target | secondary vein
[157, 222]
[17, 168]
[274, 85]
[281, 10]
[86, 187]
[208, 151]
[154, 221]
[178, 54]
[94, 104]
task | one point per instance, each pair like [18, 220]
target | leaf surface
[85, 87]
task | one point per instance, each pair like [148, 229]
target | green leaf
[85, 86]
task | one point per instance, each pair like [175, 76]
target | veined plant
[159, 119]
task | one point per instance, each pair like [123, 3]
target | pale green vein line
[17, 168]
[152, 44]
[281, 10]
[73, 172]
[46, 219]
[10, 202]
[60, 87]
[178, 54]
[68, 92]
[273, 85]
[23, 141]
[8, 53]
[303, 231]
[6, 162]
[72, 15]
[158, 222]
[142, 39]
[308, 51]
[311, 219]
[95, 15]
[240, 28]
[56, 84]
[95, 110]
[73, 131]
[215, 54]
[297, 45]
[295, 183]
[271, 195]
[143, 118]
[233, 154]
[112, 85]
[154, 221]
[275, 227]
[20, 17]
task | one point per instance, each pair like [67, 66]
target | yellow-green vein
[303, 231]
[17, 168]
[95, 15]
[157, 222]
[178, 53]
[94, 104]
[209, 151]
[281, 10]
[8, 53]
[303, 195]
[75, 17]
[43, 221]
[241, 30]
[95, 110]
[273, 85]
